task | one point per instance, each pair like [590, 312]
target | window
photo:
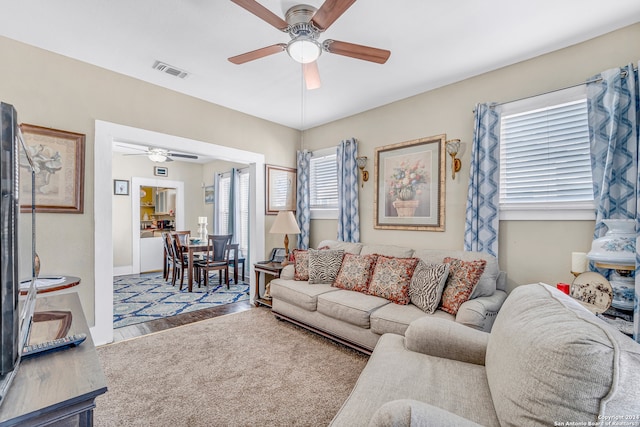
[323, 183]
[545, 164]
[222, 208]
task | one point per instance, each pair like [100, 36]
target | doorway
[106, 134]
[161, 209]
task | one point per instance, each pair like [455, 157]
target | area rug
[143, 297]
[242, 369]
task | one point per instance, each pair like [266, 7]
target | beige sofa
[358, 319]
[547, 361]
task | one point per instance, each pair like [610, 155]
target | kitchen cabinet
[166, 201]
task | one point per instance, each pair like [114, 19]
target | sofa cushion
[355, 272]
[387, 250]
[298, 293]
[549, 359]
[347, 247]
[409, 412]
[463, 277]
[395, 319]
[427, 284]
[348, 306]
[301, 264]
[486, 285]
[391, 278]
[324, 265]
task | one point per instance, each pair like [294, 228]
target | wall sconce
[362, 163]
[453, 146]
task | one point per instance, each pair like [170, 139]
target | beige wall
[54, 91]
[530, 251]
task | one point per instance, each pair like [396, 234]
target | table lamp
[285, 224]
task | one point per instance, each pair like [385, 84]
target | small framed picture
[160, 171]
[120, 187]
[209, 194]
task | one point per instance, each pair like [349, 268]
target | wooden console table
[57, 388]
[272, 268]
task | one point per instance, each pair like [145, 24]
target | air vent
[171, 70]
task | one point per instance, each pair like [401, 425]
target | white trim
[123, 270]
[577, 211]
[105, 135]
[324, 214]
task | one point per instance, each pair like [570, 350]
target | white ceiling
[432, 43]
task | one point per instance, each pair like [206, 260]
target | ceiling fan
[160, 154]
[304, 23]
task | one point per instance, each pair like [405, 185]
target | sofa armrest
[480, 313]
[288, 272]
[408, 412]
[450, 340]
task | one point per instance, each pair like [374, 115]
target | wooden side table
[272, 268]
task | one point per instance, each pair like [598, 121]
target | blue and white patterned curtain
[613, 107]
[481, 224]
[234, 205]
[303, 195]
[348, 211]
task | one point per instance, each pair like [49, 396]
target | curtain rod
[623, 73]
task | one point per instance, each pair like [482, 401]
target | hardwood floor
[140, 329]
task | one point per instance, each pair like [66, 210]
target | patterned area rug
[143, 297]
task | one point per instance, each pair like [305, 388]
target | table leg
[190, 272]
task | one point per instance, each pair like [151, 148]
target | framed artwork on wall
[409, 185]
[121, 187]
[58, 157]
[209, 194]
[281, 189]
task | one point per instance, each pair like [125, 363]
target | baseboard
[122, 270]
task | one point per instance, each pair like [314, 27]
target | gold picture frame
[410, 185]
[281, 189]
[58, 156]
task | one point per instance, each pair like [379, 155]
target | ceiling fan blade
[258, 53]
[263, 13]
[311, 75]
[357, 51]
[184, 156]
[329, 12]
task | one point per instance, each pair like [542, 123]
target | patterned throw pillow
[427, 284]
[355, 272]
[391, 278]
[463, 276]
[301, 264]
[324, 265]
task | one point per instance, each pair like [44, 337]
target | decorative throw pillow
[463, 276]
[391, 278]
[324, 265]
[427, 283]
[301, 264]
[355, 272]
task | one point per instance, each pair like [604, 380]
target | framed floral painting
[409, 193]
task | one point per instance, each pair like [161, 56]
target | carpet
[143, 297]
[242, 369]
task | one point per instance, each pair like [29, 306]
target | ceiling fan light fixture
[158, 155]
[304, 49]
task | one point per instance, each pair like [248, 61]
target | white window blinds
[545, 157]
[323, 181]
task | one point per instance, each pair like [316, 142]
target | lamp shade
[285, 224]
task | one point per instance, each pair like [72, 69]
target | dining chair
[168, 254]
[216, 258]
[181, 262]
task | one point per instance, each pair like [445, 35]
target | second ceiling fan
[304, 23]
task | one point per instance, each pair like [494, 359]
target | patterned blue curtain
[613, 107]
[481, 224]
[348, 211]
[303, 211]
